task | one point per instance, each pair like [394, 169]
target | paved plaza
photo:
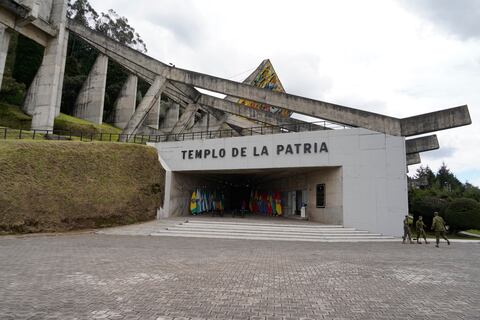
[98, 276]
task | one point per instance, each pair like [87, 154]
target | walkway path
[92, 276]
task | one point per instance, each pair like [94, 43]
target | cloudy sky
[396, 57]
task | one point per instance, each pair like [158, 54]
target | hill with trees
[458, 202]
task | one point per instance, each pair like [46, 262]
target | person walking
[420, 225]
[438, 225]
[406, 230]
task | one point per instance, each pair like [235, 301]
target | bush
[426, 206]
[12, 92]
[463, 214]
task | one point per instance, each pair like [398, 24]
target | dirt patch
[57, 186]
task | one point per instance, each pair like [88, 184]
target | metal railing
[8, 133]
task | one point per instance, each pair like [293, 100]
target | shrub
[463, 214]
[426, 206]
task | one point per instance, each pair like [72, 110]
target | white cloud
[378, 55]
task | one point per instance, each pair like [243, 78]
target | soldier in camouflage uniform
[438, 225]
[406, 230]
[420, 225]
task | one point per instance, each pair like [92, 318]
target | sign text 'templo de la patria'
[234, 152]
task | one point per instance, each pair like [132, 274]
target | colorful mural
[266, 78]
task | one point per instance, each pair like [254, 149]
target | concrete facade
[365, 169]
[126, 102]
[4, 42]
[42, 100]
[90, 100]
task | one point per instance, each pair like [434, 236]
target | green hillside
[13, 117]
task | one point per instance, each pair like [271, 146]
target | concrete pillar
[4, 42]
[42, 96]
[153, 116]
[90, 100]
[126, 101]
[151, 98]
[62, 73]
[172, 115]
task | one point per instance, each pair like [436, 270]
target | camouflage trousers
[421, 234]
[439, 234]
[407, 233]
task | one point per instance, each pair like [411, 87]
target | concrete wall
[373, 169]
[180, 189]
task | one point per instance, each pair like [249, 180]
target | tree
[447, 180]
[471, 192]
[82, 12]
[117, 28]
[426, 176]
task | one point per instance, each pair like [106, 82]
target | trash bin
[303, 211]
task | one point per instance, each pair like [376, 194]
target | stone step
[167, 233]
[263, 228]
[269, 231]
[308, 225]
[274, 234]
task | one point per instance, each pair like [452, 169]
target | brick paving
[93, 276]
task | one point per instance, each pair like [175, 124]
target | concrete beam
[422, 144]
[187, 119]
[42, 97]
[4, 42]
[413, 158]
[62, 73]
[126, 102]
[243, 111]
[151, 98]
[435, 121]
[37, 30]
[172, 114]
[179, 92]
[182, 94]
[153, 116]
[320, 109]
[90, 100]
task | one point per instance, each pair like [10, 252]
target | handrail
[75, 135]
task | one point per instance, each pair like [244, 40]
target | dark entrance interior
[267, 186]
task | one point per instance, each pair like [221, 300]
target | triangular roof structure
[264, 77]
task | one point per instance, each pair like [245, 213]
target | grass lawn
[474, 231]
[13, 117]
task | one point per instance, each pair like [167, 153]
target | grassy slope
[63, 185]
[13, 117]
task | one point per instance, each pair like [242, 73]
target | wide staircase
[264, 230]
